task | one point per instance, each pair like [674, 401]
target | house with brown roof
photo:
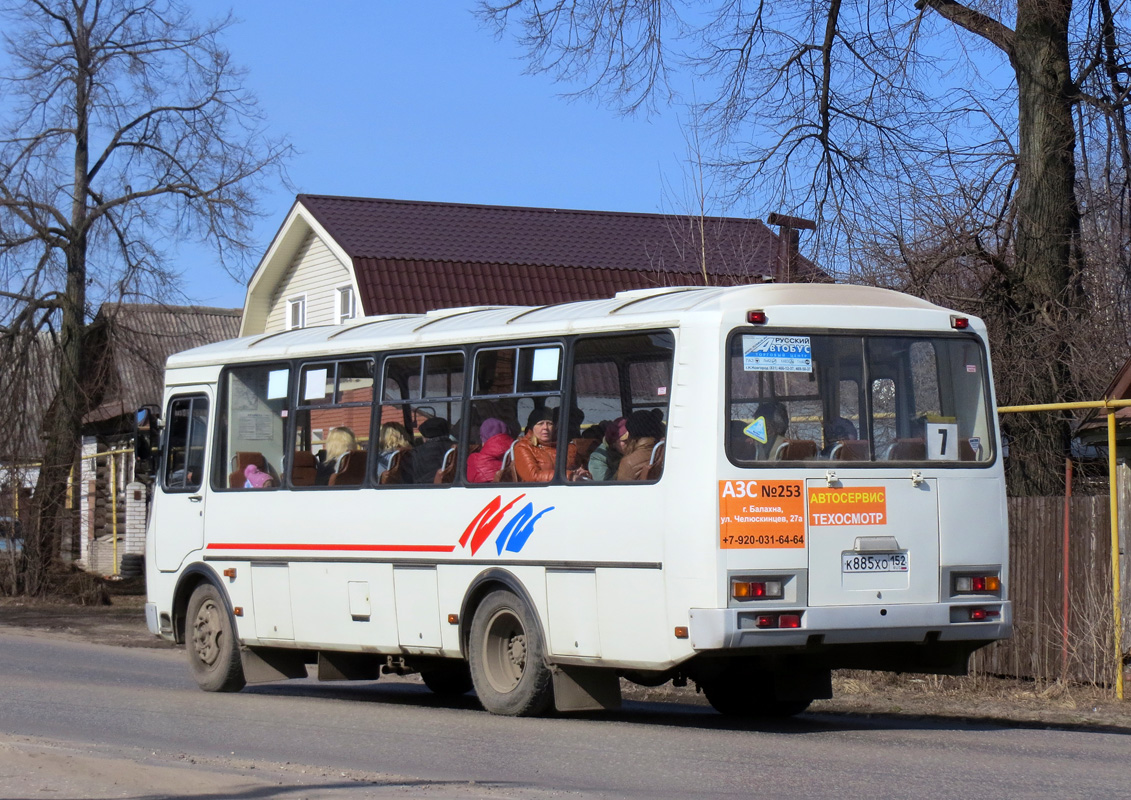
[128, 345]
[335, 258]
[126, 348]
[1090, 432]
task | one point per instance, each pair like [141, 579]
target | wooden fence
[1044, 646]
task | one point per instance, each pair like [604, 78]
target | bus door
[873, 542]
[178, 513]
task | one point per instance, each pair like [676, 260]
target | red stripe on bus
[380, 548]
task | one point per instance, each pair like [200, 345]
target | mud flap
[262, 664]
[348, 667]
[585, 688]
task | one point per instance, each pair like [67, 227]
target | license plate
[873, 562]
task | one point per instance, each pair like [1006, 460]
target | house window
[296, 313]
[347, 305]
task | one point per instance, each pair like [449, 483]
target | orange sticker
[761, 514]
[860, 505]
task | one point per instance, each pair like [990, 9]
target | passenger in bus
[838, 430]
[484, 464]
[776, 420]
[339, 441]
[536, 453]
[589, 440]
[392, 440]
[254, 478]
[606, 458]
[643, 431]
[428, 457]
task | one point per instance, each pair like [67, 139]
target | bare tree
[870, 117]
[126, 129]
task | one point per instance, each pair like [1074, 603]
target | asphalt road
[89, 721]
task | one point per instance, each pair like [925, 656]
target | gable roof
[413, 256]
[369, 228]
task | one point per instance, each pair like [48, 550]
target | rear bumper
[733, 628]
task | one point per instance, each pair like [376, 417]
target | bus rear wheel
[450, 680]
[210, 640]
[507, 657]
[735, 695]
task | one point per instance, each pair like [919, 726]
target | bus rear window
[857, 398]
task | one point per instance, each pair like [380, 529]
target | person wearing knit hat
[485, 463]
[606, 458]
[644, 429]
[644, 424]
[429, 457]
[536, 453]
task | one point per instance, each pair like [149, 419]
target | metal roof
[374, 228]
[137, 340]
[412, 256]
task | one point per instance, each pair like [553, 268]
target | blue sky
[418, 101]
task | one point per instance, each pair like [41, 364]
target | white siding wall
[317, 273]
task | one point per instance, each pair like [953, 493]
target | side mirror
[146, 437]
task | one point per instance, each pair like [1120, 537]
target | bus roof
[659, 306]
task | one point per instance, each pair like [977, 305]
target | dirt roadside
[975, 698]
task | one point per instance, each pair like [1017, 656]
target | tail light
[791, 619]
[983, 614]
[977, 584]
[756, 590]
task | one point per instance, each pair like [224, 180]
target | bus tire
[507, 656]
[450, 680]
[732, 696]
[210, 640]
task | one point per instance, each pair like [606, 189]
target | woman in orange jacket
[536, 453]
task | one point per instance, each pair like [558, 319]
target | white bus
[745, 487]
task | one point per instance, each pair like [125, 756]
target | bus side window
[333, 412]
[421, 403]
[187, 428]
[617, 378]
[511, 384]
[251, 427]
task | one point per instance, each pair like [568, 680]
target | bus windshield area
[857, 398]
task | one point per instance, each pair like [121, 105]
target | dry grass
[977, 697]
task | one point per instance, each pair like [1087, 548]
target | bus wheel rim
[504, 649]
[206, 630]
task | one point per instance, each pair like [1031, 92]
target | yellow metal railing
[1113, 505]
[113, 499]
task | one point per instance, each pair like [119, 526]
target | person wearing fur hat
[483, 464]
[429, 457]
[536, 453]
[643, 429]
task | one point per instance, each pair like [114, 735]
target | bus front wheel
[507, 655]
[213, 652]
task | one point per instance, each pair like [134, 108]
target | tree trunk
[1041, 299]
[63, 432]
[64, 428]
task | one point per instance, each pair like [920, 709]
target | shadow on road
[673, 714]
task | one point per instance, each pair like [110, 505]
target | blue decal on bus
[518, 530]
[514, 533]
